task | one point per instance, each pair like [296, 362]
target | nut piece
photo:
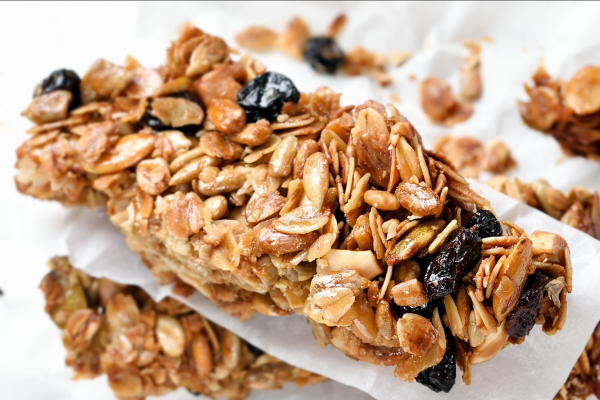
[332, 295]
[253, 134]
[49, 107]
[548, 243]
[417, 239]
[212, 180]
[270, 241]
[260, 208]
[301, 220]
[153, 176]
[81, 328]
[511, 279]
[363, 262]
[306, 149]
[215, 145]
[491, 346]
[409, 294]
[582, 94]
[384, 320]
[476, 337]
[170, 335]
[202, 354]
[420, 201]
[217, 205]
[282, 159]
[226, 116]
[416, 334]
[381, 200]
[371, 139]
[210, 51]
[184, 215]
[177, 112]
[436, 98]
[316, 178]
[406, 271]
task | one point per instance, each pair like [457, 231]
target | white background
[37, 38]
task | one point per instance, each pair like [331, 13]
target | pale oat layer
[151, 349]
[335, 213]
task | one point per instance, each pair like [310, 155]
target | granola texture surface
[569, 111]
[580, 209]
[223, 176]
[150, 349]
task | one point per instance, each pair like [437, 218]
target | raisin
[254, 350]
[458, 256]
[264, 96]
[323, 54]
[425, 310]
[64, 79]
[441, 377]
[521, 319]
[156, 125]
[486, 223]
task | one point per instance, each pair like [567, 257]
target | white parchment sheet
[40, 38]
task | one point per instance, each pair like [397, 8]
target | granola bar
[226, 177]
[150, 349]
[569, 111]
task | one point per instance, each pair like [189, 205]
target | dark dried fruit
[486, 223]
[323, 54]
[521, 319]
[64, 79]
[458, 256]
[264, 96]
[156, 125]
[425, 310]
[254, 350]
[441, 377]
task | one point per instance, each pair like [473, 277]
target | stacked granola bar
[226, 177]
[150, 349]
